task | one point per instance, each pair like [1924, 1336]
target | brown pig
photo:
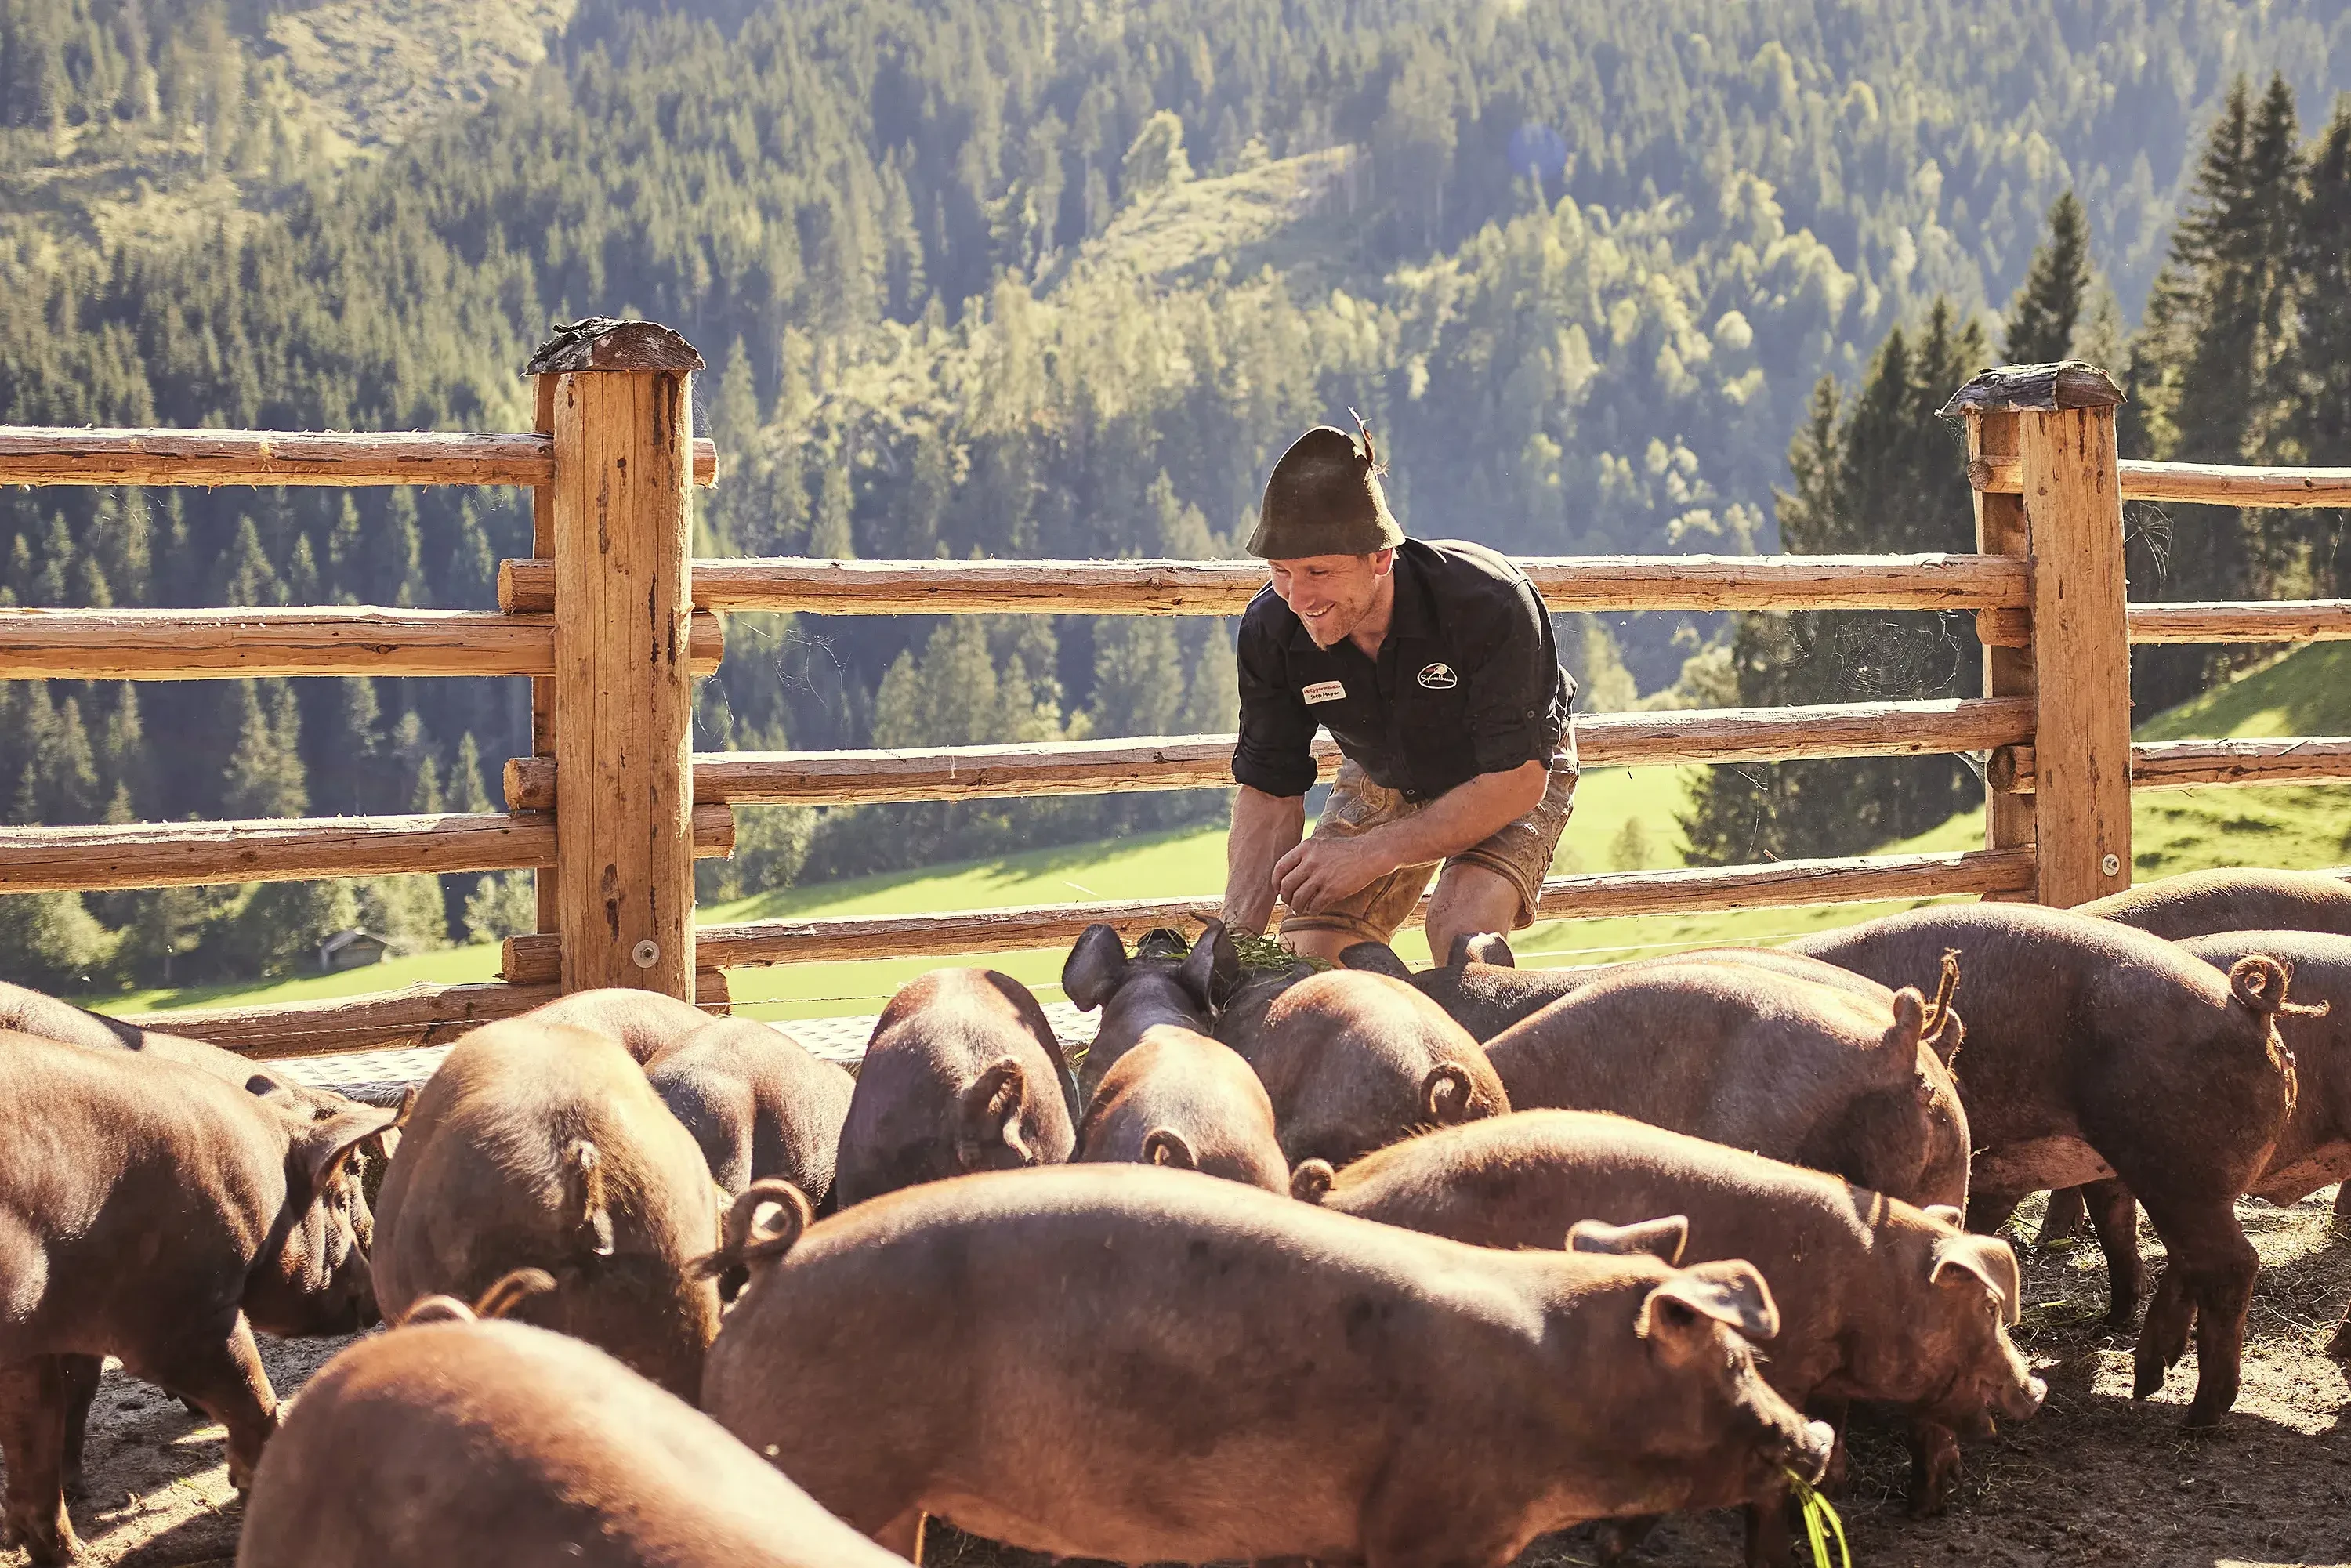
[2204, 902]
[1746, 1057]
[149, 1211]
[1353, 1061]
[1163, 983]
[1878, 1301]
[2096, 1050]
[2314, 1151]
[47, 1018]
[645, 1022]
[757, 1102]
[1485, 993]
[1144, 1366]
[2193, 903]
[1179, 1098]
[540, 1146]
[963, 1074]
[468, 1443]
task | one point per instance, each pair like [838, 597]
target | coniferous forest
[1003, 278]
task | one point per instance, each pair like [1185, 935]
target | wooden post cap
[603, 343]
[2035, 389]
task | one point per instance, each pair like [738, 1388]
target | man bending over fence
[1433, 667]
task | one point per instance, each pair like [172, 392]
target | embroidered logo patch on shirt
[1437, 677]
[1324, 692]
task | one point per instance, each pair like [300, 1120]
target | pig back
[1740, 1055]
[1179, 1098]
[499, 1442]
[2204, 902]
[43, 1016]
[541, 1147]
[758, 1104]
[1525, 1179]
[1353, 1061]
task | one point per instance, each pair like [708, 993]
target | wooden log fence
[609, 465]
[295, 848]
[357, 640]
[1204, 761]
[208, 458]
[1225, 587]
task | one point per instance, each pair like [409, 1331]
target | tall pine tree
[2048, 308]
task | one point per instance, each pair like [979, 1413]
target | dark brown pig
[963, 1074]
[1353, 1061]
[1124, 1363]
[149, 1211]
[1163, 983]
[2096, 1050]
[1746, 1057]
[757, 1102]
[2204, 902]
[539, 1146]
[466, 1444]
[1878, 1301]
[1179, 1098]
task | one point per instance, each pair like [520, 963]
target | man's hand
[1324, 870]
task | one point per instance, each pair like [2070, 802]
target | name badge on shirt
[1324, 692]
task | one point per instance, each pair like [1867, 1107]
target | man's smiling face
[1331, 595]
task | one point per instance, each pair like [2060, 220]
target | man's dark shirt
[1467, 680]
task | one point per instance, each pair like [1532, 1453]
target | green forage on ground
[1820, 1523]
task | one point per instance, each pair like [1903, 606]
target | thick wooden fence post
[2059, 421]
[623, 688]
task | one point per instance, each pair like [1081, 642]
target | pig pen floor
[2095, 1478]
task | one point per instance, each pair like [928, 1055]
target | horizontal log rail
[420, 1015]
[170, 855]
[1224, 587]
[2195, 764]
[1659, 739]
[48, 456]
[2206, 484]
[2271, 621]
[354, 640]
[530, 960]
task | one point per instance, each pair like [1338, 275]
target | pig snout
[2018, 1401]
[1808, 1454]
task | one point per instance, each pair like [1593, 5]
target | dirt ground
[2095, 1478]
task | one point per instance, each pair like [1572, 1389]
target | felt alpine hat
[1325, 498]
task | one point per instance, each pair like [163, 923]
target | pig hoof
[1612, 1539]
[2146, 1382]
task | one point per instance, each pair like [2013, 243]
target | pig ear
[1981, 1260]
[321, 1147]
[989, 1113]
[1661, 1238]
[1166, 1146]
[1733, 1293]
[1094, 967]
[1485, 947]
[1212, 972]
[1909, 1022]
[1948, 1214]
[384, 1144]
[1375, 958]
